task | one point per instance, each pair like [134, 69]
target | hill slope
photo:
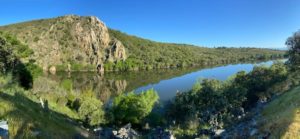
[170, 54]
[281, 118]
[80, 43]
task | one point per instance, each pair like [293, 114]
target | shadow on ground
[27, 119]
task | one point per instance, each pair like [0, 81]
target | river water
[167, 82]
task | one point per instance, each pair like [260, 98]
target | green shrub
[34, 69]
[212, 103]
[132, 108]
[91, 111]
[67, 84]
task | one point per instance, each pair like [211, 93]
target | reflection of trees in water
[136, 79]
[110, 84]
[104, 88]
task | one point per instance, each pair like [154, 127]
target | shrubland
[148, 54]
[213, 104]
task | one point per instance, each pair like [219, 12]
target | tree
[293, 44]
[132, 108]
[7, 58]
[90, 111]
[12, 51]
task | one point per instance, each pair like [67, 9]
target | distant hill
[169, 54]
[85, 43]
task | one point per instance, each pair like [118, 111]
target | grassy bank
[281, 118]
[27, 118]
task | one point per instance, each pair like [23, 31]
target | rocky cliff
[69, 42]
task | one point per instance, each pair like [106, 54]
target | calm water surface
[165, 82]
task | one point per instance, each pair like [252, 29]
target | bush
[132, 108]
[90, 111]
[212, 103]
[34, 69]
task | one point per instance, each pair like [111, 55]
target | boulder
[52, 69]
[218, 132]
[4, 130]
[126, 133]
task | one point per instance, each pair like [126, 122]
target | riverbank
[276, 117]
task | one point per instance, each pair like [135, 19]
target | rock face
[117, 50]
[69, 40]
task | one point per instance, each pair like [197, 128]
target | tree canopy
[293, 44]
[132, 108]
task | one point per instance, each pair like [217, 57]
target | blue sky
[233, 23]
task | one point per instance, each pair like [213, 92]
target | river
[167, 82]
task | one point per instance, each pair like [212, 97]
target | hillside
[171, 55]
[281, 117]
[85, 43]
[69, 42]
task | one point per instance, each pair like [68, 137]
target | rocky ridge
[69, 42]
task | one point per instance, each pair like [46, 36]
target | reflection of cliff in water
[114, 83]
[104, 88]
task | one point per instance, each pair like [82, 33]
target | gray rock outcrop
[83, 42]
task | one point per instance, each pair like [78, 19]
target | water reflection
[165, 81]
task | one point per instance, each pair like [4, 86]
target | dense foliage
[132, 108]
[11, 52]
[293, 44]
[14, 59]
[91, 111]
[215, 104]
[147, 54]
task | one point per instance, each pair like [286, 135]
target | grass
[281, 117]
[26, 118]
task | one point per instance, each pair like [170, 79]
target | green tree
[12, 56]
[293, 44]
[132, 108]
[90, 111]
